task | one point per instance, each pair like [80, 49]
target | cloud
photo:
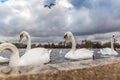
[83, 17]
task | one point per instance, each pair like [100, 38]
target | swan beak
[21, 37]
[65, 38]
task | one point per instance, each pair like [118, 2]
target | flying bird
[49, 6]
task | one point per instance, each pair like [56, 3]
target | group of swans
[84, 53]
[42, 55]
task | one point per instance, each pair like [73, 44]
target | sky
[94, 20]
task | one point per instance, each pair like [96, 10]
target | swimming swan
[28, 58]
[109, 51]
[40, 51]
[79, 53]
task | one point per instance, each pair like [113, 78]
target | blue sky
[86, 19]
[3, 1]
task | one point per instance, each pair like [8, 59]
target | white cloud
[46, 24]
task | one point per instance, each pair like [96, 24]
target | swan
[38, 51]
[79, 53]
[28, 58]
[109, 51]
[3, 60]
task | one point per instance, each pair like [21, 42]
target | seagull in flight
[49, 6]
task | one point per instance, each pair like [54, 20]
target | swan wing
[36, 56]
[108, 51]
[84, 53]
[79, 54]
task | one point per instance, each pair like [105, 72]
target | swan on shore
[109, 51]
[28, 58]
[82, 53]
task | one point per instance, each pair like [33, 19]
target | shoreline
[98, 69]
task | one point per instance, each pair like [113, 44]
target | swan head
[67, 35]
[113, 37]
[22, 35]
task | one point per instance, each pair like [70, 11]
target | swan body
[79, 53]
[33, 57]
[3, 60]
[28, 58]
[109, 51]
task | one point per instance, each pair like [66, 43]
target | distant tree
[53, 45]
[69, 44]
[97, 45]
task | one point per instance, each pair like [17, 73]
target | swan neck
[14, 57]
[28, 42]
[73, 43]
[112, 44]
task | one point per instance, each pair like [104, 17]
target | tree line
[83, 44]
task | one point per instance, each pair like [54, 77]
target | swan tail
[50, 50]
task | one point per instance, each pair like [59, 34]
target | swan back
[79, 54]
[108, 51]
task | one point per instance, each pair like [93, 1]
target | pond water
[57, 55]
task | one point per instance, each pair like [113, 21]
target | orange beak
[65, 38]
[21, 37]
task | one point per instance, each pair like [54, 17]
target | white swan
[38, 51]
[3, 60]
[109, 51]
[77, 54]
[28, 58]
